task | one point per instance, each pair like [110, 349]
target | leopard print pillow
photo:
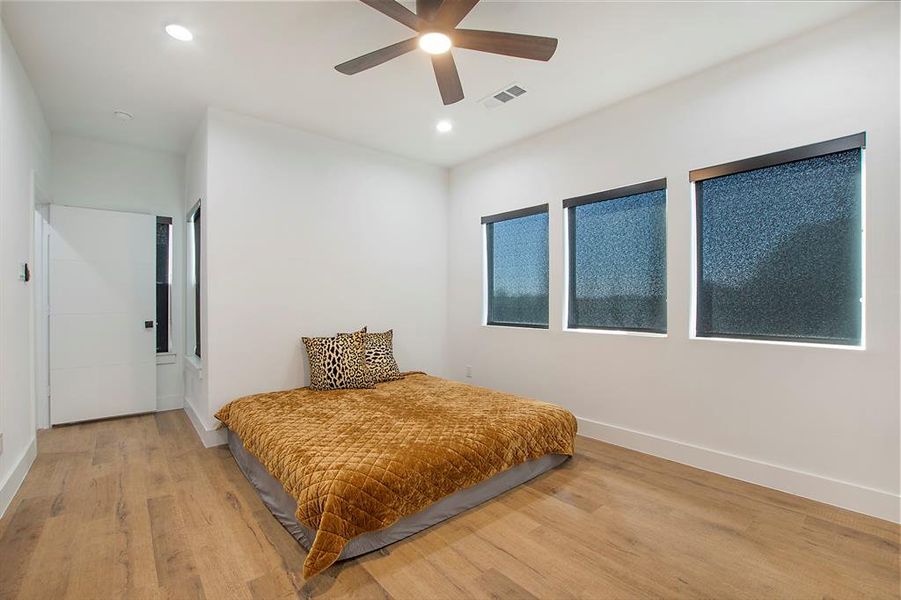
[380, 356]
[338, 362]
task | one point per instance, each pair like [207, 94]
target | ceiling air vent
[503, 96]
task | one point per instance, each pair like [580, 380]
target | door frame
[40, 302]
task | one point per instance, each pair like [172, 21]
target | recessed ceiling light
[444, 126]
[434, 42]
[179, 32]
[122, 115]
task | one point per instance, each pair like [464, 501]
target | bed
[350, 471]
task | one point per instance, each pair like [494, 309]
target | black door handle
[148, 324]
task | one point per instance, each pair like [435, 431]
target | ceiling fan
[436, 25]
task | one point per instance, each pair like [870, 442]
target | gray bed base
[283, 506]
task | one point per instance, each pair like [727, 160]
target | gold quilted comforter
[359, 460]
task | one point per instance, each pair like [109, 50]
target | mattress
[360, 461]
[283, 507]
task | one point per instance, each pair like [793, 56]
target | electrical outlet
[469, 371]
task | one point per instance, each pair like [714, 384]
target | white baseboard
[208, 437]
[171, 402]
[869, 501]
[9, 487]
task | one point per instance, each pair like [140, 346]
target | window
[617, 259]
[516, 251]
[779, 245]
[195, 230]
[163, 283]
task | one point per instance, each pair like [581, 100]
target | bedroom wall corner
[196, 369]
[293, 199]
[817, 421]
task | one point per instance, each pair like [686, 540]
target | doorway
[101, 313]
[41, 307]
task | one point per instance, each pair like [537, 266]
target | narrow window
[163, 283]
[516, 252]
[617, 259]
[196, 222]
[779, 245]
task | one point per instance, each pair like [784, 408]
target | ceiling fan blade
[510, 44]
[453, 11]
[448, 79]
[398, 12]
[374, 59]
[426, 9]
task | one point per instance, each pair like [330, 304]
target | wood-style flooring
[137, 508]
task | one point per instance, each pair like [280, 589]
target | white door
[102, 312]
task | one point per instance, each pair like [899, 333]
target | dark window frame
[516, 214]
[195, 219]
[163, 339]
[654, 185]
[487, 222]
[569, 204]
[772, 159]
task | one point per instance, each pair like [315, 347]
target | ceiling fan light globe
[179, 32]
[434, 42]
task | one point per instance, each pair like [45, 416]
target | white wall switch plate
[469, 371]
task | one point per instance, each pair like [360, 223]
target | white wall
[305, 235]
[815, 421]
[195, 382]
[95, 174]
[24, 157]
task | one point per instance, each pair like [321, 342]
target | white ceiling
[275, 61]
